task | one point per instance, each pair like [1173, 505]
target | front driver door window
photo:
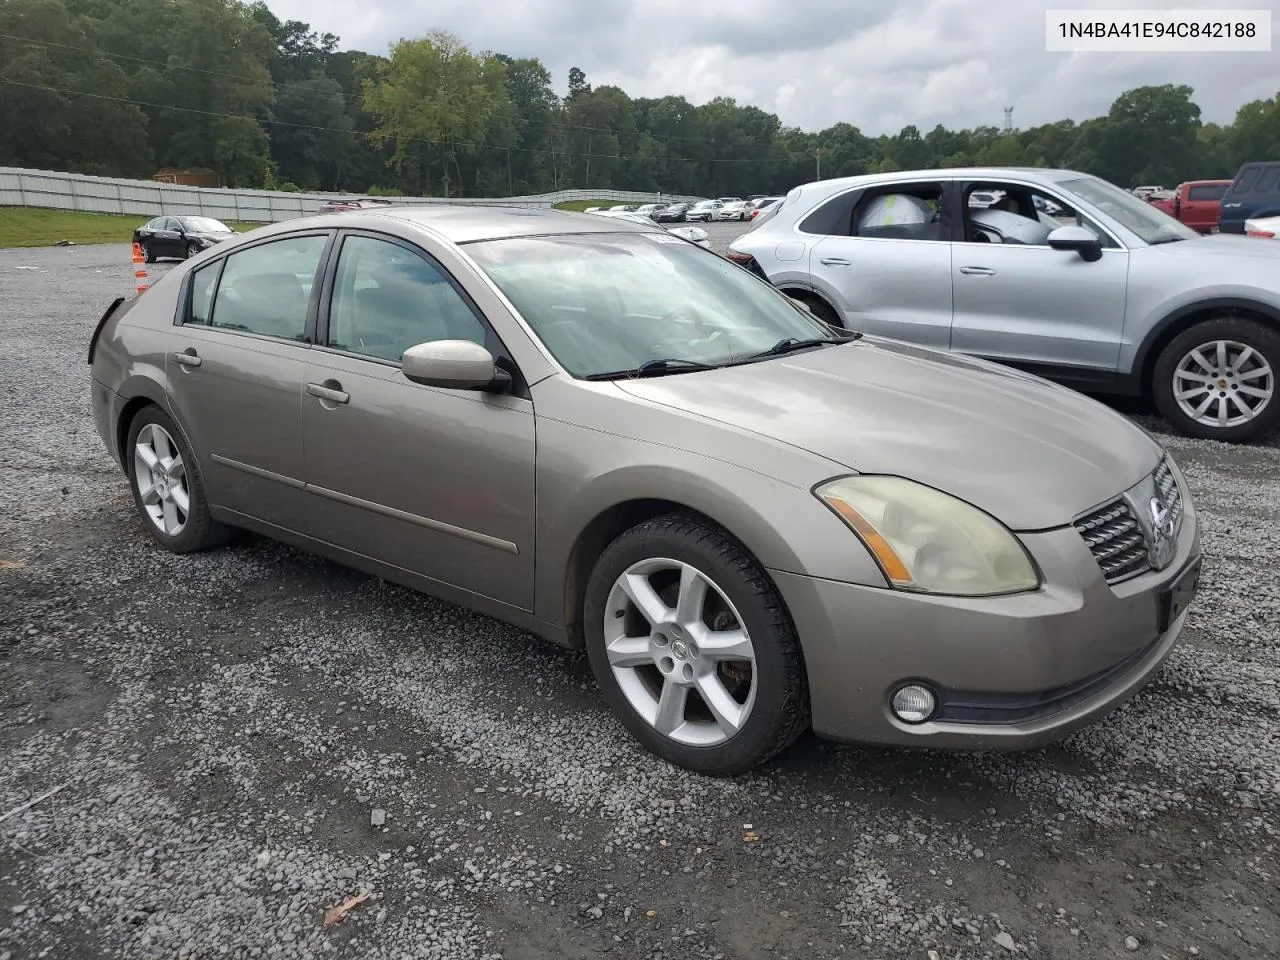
[435, 481]
[888, 270]
[1019, 301]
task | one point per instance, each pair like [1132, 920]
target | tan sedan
[613, 438]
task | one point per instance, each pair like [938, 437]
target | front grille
[1115, 537]
[1115, 540]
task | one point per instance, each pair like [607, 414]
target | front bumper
[1012, 672]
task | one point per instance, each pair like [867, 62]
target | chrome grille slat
[1116, 541]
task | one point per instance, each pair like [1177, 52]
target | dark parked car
[342, 206]
[179, 238]
[672, 214]
[1255, 192]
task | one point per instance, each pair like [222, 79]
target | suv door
[235, 369]
[1020, 301]
[887, 268]
[436, 481]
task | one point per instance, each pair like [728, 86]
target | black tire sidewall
[777, 686]
[200, 530]
[1264, 339]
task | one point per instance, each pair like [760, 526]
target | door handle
[834, 262]
[331, 394]
[187, 358]
[978, 271]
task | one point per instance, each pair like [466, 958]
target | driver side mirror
[1083, 241]
[454, 364]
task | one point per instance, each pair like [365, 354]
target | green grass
[34, 227]
[580, 205]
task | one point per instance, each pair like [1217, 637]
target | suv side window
[387, 298]
[901, 211]
[266, 288]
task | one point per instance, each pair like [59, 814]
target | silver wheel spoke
[726, 645]
[1245, 410]
[1222, 355]
[171, 522]
[1254, 392]
[1223, 409]
[177, 470]
[148, 456]
[149, 495]
[160, 440]
[641, 593]
[1200, 410]
[692, 597]
[1196, 377]
[629, 652]
[1257, 373]
[727, 711]
[1241, 359]
[671, 704]
[1188, 394]
[1200, 359]
[181, 500]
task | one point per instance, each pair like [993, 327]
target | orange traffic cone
[139, 269]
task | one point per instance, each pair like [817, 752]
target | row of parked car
[705, 211]
[754, 522]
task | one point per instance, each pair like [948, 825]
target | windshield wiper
[1165, 240]
[791, 344]
[654, 368]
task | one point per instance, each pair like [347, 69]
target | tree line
[122, 87]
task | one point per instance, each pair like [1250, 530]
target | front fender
[784, 526]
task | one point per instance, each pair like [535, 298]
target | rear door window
[1212, 191]
[266, 289]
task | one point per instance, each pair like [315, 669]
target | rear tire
[192, 250]
[757, 695]
[820, 309]
[1218, 380]
[169, 492]
[147, 255]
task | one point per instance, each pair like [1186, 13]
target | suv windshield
[1150, 223]
[607, 303]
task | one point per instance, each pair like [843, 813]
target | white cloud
[878, 64]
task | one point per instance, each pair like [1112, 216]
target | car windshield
[607, 303]
[1150, 223]
[204, 225]
[705, 205]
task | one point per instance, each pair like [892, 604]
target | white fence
[148, 198]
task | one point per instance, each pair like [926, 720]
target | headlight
[929, 541]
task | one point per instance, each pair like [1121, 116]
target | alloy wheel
[679, 652]
[161, 477]
[1223, 383]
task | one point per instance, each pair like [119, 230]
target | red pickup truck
[1197, 203]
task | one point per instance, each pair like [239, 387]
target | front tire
[192, 250]
[147, 254]
[168, 490]
[693, 647]
[1217, 380]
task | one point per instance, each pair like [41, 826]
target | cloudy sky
[879, 64]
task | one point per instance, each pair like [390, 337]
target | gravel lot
[224, 727]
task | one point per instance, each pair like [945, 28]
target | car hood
[1233, 245]
[1033, 454]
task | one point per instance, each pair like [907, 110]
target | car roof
[1043, 174]
[460, 223]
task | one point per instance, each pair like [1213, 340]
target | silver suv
[1107, 295]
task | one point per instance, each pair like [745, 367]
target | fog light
[913, 703]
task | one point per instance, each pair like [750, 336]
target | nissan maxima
[754, 523]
